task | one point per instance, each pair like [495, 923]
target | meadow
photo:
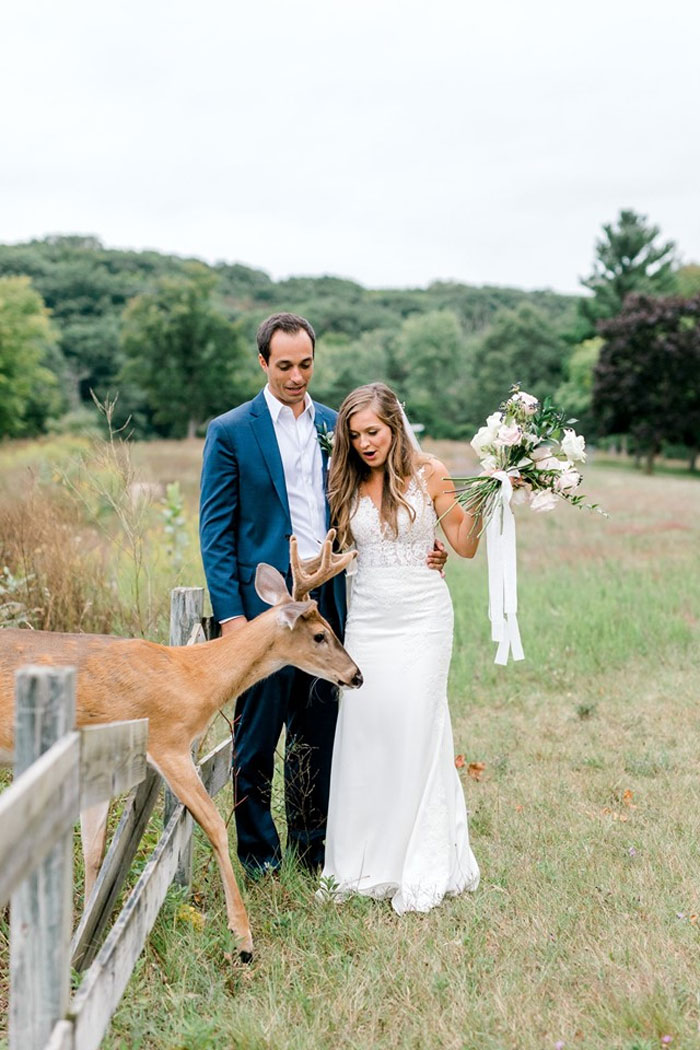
[580, 767]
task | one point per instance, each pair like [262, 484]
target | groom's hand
[233, 625]
[438, 557]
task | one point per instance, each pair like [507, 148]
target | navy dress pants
[308, 709]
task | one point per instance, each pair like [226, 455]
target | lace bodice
[375, 542]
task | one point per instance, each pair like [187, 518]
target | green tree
[428, 366]
[687, 280]
[647, 380]
[341, 364]
[629, 258]
[28, 390]
[521, 346]
[183, 353]
[576, 392]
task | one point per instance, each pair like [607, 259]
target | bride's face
[370, 437]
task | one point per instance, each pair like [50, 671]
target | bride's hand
[437, 557]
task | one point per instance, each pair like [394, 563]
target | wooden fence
[58, 772]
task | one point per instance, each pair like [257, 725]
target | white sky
[391, 142]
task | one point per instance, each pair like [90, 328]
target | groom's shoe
[261, 872]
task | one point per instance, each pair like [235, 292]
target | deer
[181, 688]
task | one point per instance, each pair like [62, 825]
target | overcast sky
[393, 143]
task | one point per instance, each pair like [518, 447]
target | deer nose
[357, 680]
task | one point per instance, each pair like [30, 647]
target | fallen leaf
[627, 797]
[693, 919]
[475, 769]
[459, 761]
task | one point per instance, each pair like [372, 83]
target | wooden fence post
[41, 909]
[186, 611]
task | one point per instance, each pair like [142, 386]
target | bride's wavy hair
[348, 470]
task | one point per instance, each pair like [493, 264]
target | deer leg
[93, 833]
[184, 781]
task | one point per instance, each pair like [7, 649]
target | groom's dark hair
[290, 323]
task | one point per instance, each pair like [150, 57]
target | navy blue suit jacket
[244, 512]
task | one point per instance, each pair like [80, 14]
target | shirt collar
[276, 407]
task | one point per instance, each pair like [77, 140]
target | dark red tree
[647, 380]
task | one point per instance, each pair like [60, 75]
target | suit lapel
[263, 428]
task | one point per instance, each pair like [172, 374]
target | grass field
[584, 932]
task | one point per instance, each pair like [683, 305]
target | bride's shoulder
[432, 472]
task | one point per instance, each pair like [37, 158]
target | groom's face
[290, 367]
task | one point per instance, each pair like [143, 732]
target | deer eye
[320, 637]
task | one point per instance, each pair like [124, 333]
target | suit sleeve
[217, 523]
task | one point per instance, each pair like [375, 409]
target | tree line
[176, 338]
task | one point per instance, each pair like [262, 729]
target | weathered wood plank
[61, 1037]
[121, 852]
[186, 609]
[38, 809]
[215, 768]
[41, 909]
[112, 760]
[105, 981]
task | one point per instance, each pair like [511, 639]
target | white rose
[541, 452]
[543, 500]
[494, 421]
[573, 446]
[482, 441]
[489, 464]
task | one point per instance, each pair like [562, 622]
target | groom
[264, 479]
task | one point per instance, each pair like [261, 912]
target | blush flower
[526, 401]
[543, 500]
[568, 481]
[509, 434]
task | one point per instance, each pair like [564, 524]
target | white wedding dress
[397, 822]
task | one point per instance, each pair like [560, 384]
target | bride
[397, 822]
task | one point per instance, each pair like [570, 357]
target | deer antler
[312, 572]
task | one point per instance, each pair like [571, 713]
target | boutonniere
[325, 439]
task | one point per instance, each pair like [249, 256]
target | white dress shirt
[302, 463]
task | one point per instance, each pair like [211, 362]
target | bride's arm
[460, 527]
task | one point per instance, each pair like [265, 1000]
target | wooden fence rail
[58, 772]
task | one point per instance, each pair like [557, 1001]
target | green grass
[585, 823]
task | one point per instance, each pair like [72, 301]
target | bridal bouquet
[529, 453]
[533, 445]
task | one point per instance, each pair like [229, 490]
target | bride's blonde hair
[348, 470]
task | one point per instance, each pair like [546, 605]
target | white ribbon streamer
[503, 577]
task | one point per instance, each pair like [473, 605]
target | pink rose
[543, 500]
[509, 435]
[568, 481]
[526, 402]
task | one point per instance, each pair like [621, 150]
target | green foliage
[342, 364]
[28, 390]
[647, 380]
[429, 366]
[629, 258]
[174, 523]
[576, 392]
[182, 352]
[522, 346]
[687, 280]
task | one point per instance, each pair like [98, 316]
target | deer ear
[289, 613]
[269, 584]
